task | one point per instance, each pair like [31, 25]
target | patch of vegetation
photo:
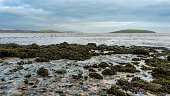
[168, 58]
[127, 68]
[156, 62]
[92, 70]
[48, 52]
[24, 62]
[140, 52]
[61, 71]
[109, 72]
[7, 52]
[95, 75]
[136, 63]
[161, 72]
[41, 59]
[165, 84]
[79, 76]
[136, 59]
[42, 71]
[95, 66]
[116, 91]
[64, 50]
[17, 69]
[137, 83]
[87, 66]
[103, 65]
[143, 67]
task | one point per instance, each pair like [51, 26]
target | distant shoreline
[33, 31]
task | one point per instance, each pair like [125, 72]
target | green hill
[133, 31]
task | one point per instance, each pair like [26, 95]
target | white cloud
[21, 10]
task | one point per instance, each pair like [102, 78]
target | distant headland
[133, 31]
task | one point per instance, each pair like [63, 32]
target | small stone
[27, 76]
[56, 79]
[34, 86]
[59, 91]
[34, 79]
[23, 88]
[10, 81]
[31, 83]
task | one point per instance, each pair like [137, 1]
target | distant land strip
[33, 31]
[133, 31]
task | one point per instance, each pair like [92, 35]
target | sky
[91, 16]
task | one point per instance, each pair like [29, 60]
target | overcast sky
[92, 16]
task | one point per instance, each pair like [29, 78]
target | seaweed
[95, 75]
[127, 68]
[103, 65]
[109, 72]
[140, 52]
[42, 71]
[116, 91]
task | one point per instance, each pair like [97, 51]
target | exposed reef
[83, 70]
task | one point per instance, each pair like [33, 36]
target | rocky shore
[83, 70]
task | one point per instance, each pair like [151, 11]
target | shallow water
[139, 39]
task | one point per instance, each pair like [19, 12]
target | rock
[26, 81]
[31, 82]
[11, 81]
[27, 76]
[56, 79]
[22, 88]
[2, 79]
[59, 91]
[34, 86]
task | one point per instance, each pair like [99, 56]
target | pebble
[10, 81]
[56, 79]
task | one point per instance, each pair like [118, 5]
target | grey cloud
[85, 15]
